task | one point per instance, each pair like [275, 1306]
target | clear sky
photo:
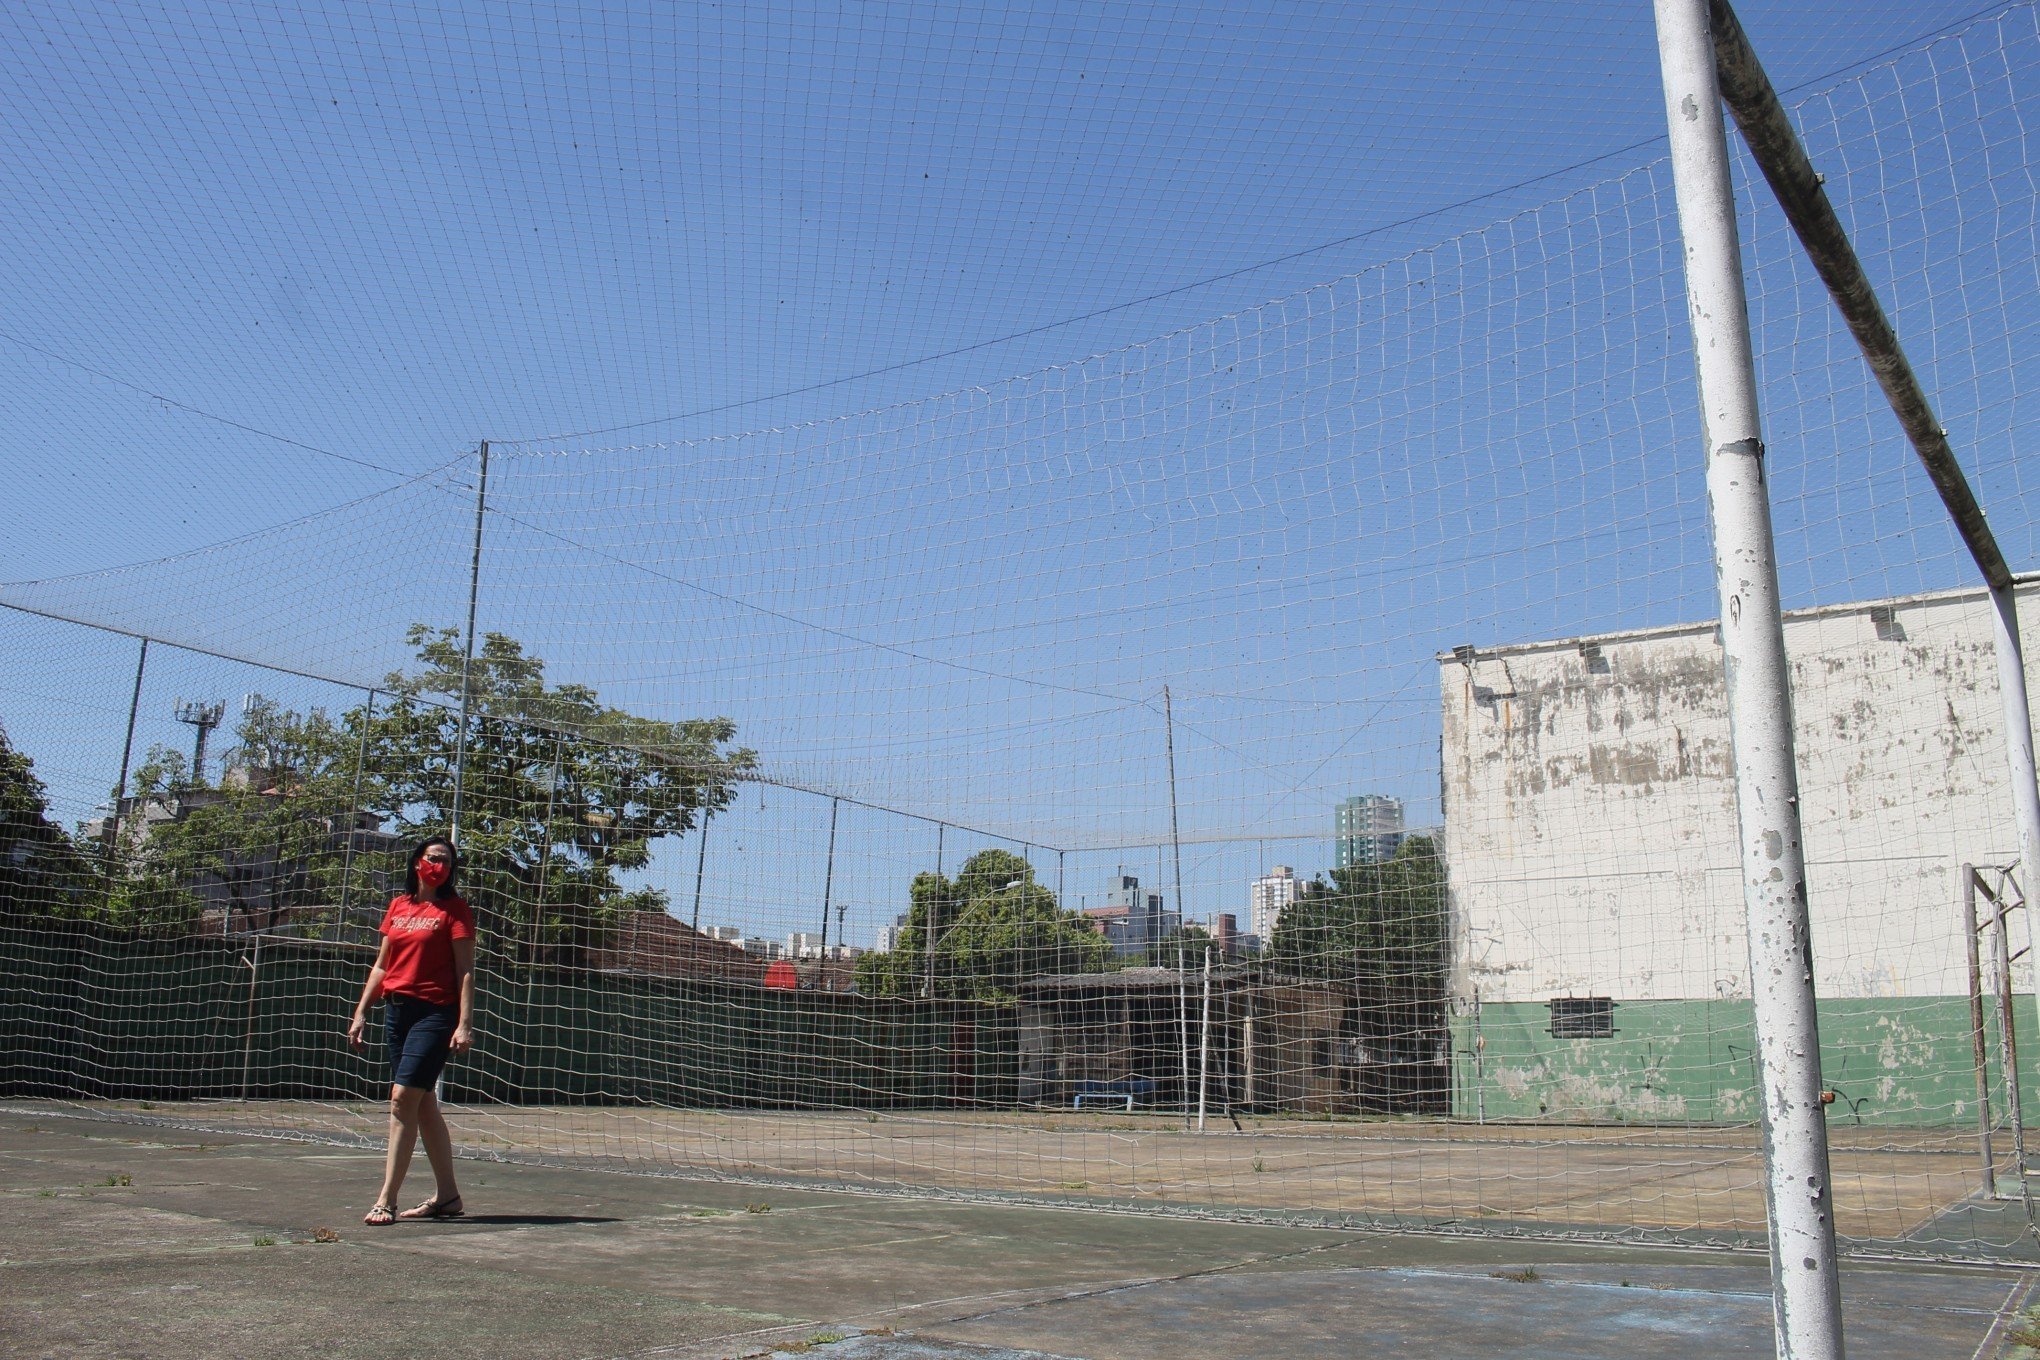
[926, 386]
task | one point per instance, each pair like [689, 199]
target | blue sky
[813, 290]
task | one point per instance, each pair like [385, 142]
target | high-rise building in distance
[1367, 828]
[1268, 896]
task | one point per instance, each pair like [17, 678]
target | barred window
[1582, 1017]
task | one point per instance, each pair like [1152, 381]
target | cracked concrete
[120, 1240]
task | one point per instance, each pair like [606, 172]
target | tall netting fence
[1278, 768]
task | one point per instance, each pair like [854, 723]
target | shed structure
[1273, 1044]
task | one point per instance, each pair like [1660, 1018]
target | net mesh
[1278, 766]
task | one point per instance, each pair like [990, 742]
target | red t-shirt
[421, 936]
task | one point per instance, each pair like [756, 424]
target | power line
[199, 411]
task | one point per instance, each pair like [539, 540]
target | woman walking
[425, 974]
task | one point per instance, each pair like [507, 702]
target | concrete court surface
[122, 1240]
[1889, 1184]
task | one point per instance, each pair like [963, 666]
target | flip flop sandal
[381, 1216]
[435, 1208]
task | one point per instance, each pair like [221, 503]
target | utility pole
[829, 877]
[467, 662]
[127, 750]
[701, 863]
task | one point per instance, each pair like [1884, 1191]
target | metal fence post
[1806, 1291]
[1182, 917]
[1204, 1042]
[928, 920]
[2008, 1047]
[248, 1031]
[1978, 1041]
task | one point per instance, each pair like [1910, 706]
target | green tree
[42, 872]
[993, 926]
[1382, 925]
[561, 794]
[266, 842]
[1381, 932]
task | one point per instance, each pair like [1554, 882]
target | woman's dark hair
[418, 853]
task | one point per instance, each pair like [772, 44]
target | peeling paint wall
[1590, 805]
[1888, 1063]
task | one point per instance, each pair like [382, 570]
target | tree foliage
[993, 926]
[266, 842]
[42, 872]
[1380, 927]
[562, 791]
[561, 794]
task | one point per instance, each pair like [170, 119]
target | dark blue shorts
[418, 1034]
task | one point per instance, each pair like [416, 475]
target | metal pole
[928, 923]
[1204, 1042]
[248, 1033]
[829, 879]
[1479, 1064]
[2008, 1047]
[1778, 153]
[1977, 1043]
[552, 797]
[354, 811]
[700, 864]
[1806, 1289]
[535, 937]
[127, 751]
[2014, 1084]
[1176, 842]
[1798, 187]
[467, 662]
[2018, 721]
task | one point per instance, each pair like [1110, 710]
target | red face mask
[433, 873]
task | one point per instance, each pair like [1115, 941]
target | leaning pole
[1806, 1293]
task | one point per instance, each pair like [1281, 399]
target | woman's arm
[464, 979]
[371, 992]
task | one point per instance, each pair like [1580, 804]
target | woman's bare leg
[438, 1147]
[404, 1103]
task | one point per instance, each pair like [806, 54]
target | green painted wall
[1891, 1061]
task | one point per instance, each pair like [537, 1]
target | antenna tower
[204, 717]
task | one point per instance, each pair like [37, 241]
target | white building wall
[1590, 804]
